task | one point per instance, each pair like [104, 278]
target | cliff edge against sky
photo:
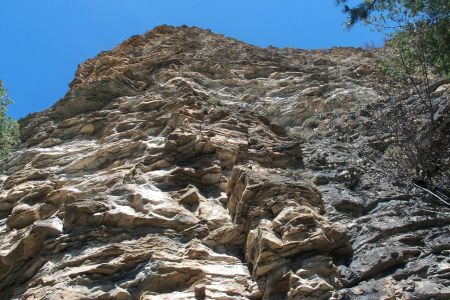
[172, 169]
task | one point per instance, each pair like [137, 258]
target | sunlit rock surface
[162, 175]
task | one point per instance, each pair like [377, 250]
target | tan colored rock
[87, 129]
[191, 196]
[161, 175]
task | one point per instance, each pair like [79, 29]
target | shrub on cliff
[417, 30]
[417, 61]
[9, 128]
[311, 122]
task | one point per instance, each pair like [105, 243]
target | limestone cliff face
[166, 172]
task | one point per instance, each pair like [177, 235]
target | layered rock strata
[161, 175]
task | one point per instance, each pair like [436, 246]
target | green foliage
[9, 128]
[311, 123]
[300, 135]
[418, 31]
[216, 102]
[398, 11]
[204, 109]
[417, 56]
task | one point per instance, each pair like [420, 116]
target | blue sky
[42, 42]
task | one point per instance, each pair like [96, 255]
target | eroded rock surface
[162, 175]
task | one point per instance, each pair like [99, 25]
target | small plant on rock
[414, 123]
[311, 123]
[9, 128]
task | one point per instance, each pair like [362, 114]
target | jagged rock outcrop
[166, 172]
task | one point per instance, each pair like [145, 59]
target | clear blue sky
[43, 41]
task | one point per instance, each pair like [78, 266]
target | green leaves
[9, 128]
[419, 30]
[416, 57]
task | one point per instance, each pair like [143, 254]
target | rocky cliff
[173, 169]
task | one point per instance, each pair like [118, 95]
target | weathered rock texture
[162, 175]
